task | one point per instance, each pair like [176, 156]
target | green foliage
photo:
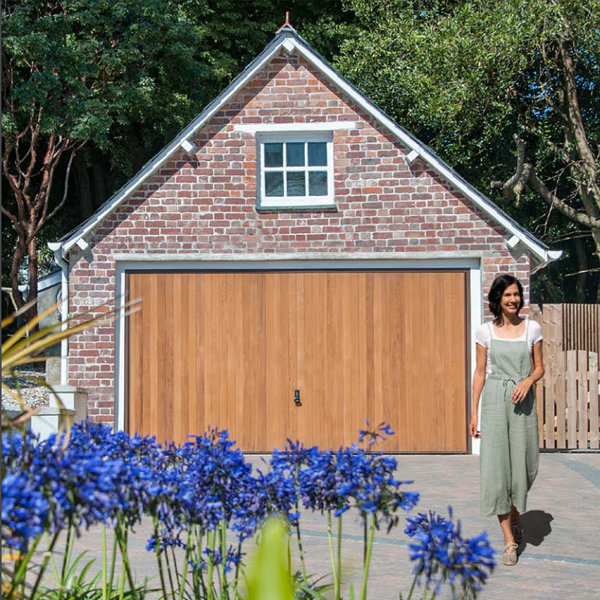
[466, 75]
[268, 575]
[92, 65]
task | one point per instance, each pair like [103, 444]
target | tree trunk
[33, 277]
[596, 238]
[82, 183]
[15, 267]
[98, 178]
[582, 268]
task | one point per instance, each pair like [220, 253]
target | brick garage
[201, 207]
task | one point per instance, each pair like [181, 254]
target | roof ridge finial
[287, 24]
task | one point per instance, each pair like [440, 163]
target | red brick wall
[206, 205]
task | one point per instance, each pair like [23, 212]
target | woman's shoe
[509, 557]
[517, 531]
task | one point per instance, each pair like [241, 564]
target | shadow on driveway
[536, 527]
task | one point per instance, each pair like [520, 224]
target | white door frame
[125, 263]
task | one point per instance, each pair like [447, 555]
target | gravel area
[32, 393]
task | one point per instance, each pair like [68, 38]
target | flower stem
[183, 578]
[52, 560]
[364, 518]
[333, 563]
[363, 592]
[298, 535]
[223, 535]
[210, 538]
[67, 559]
[104, 565]
[169, 572]
[334, 572]
[412, 587]
[158, 558]
[237, 572]
[339, 556]
[113, 563]
[121, 533]
[174, 556]
[42, 568]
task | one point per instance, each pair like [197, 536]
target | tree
[72, 71]
[92, 90]
[472, 78]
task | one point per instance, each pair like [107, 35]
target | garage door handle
[297, 398]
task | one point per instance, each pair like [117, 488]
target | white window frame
[294, 202]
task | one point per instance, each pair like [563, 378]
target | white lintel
[294, 127]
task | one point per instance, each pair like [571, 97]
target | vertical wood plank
[561, 414]
[594, 404]
[535, 314]
[549, 404]
[193, 390]
[134, 366]
[572, 398]
[166, 367]
[177, 413]
[582, 397]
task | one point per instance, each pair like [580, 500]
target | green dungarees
[509, 432]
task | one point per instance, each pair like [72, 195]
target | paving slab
[561, 552]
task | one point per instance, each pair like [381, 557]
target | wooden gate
[568, 395]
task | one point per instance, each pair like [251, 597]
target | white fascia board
[415, 146]
[294, 127]
[268, 53]
[49, 281]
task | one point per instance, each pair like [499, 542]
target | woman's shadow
[536, 527]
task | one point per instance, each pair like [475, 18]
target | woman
[509, 427]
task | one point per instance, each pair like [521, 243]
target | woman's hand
[475, 433]
[521, 390]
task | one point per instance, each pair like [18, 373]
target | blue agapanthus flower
[24, 511]
[442, 555]
[373, 435]
[351, 477]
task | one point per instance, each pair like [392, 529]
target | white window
[295, 171]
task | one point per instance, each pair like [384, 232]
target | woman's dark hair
[500, 283]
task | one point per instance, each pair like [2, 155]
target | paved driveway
[561, 557]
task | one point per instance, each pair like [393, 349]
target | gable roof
[288, 39]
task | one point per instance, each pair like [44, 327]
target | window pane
[274, 183]
[296, 185]
[295, 154]
[317, 154]
[273, 155]
[317, 183]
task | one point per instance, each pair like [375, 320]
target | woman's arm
[520, 392]
[478, 383]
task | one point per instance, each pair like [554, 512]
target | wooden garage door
[233, 349]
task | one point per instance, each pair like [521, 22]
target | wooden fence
[568, 395]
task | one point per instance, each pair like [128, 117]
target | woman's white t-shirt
[485, 332]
